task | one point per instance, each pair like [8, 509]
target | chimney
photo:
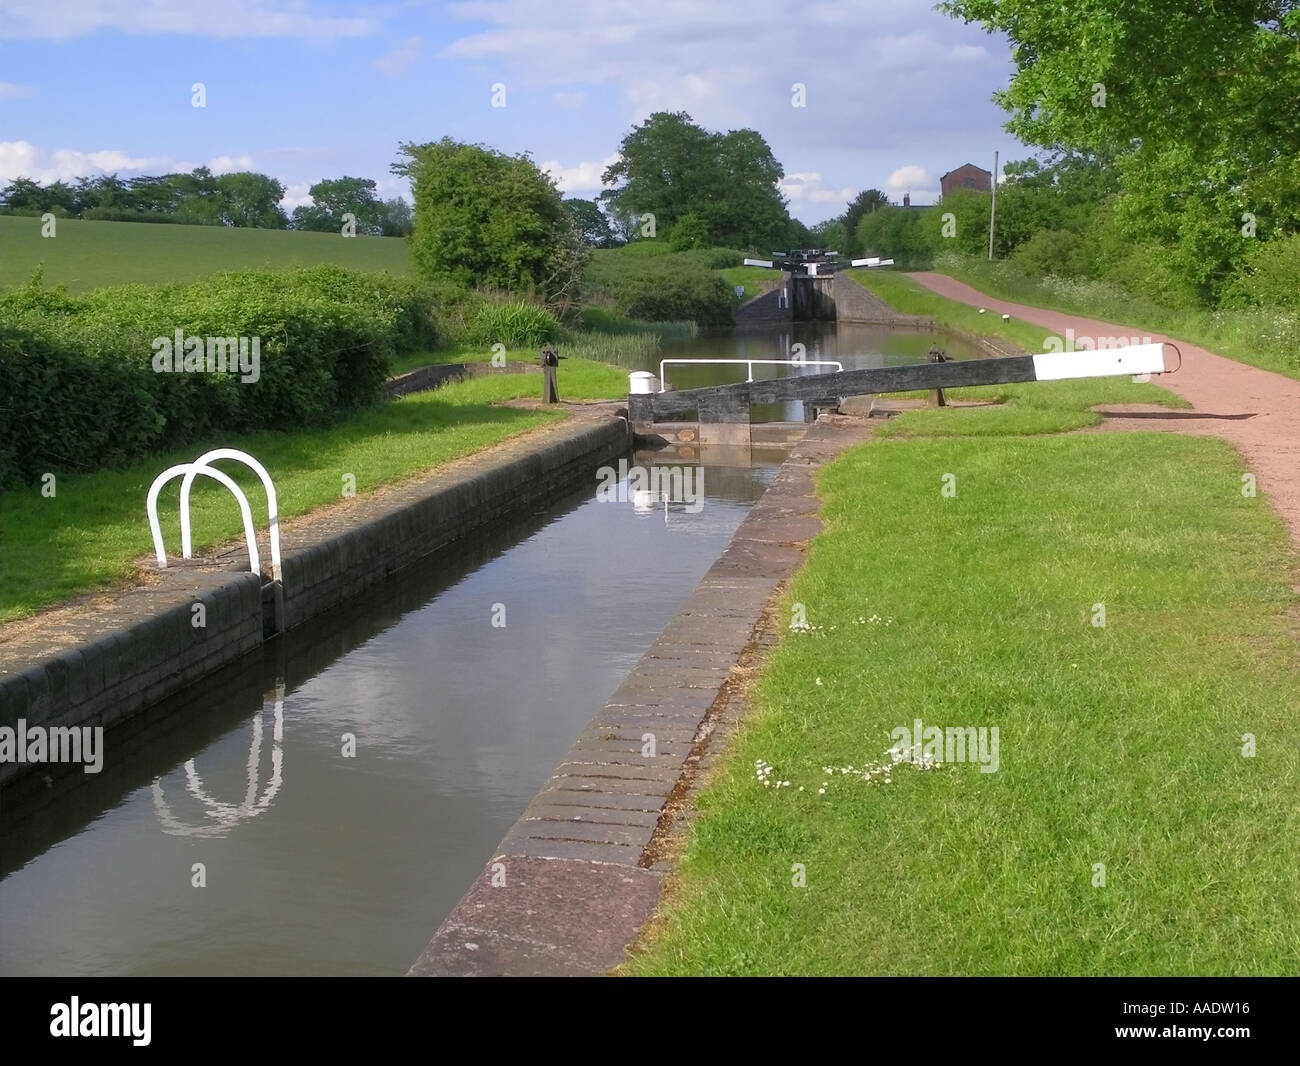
[907, 199]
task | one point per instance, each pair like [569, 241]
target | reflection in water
[226, 816]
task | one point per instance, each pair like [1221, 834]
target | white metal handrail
[272, 505]
[750, 363]
[151, 506]
[188, 472]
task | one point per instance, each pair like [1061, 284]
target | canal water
[314, 862]
[319, 807]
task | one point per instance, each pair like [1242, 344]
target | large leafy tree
[251, 200]
[335, 197]
[861, 205]
[593, 226]
[670, 167]
[1195, 103]
[492, 220]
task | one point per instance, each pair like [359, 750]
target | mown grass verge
[88, 533]
[1119, 745]
[1262, 337]
[1030, 408]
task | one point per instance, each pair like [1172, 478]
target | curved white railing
[188, 472]
[750, 363]
[189, 469]
[272, 505]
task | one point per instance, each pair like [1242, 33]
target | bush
[1052, 251]
[1147, 271]
[658, 287]
[689, 231]
[80, 390]
[1269, 276]
[513, 323]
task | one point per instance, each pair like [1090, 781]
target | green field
[89, 255]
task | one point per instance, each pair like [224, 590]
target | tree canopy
[670, 167]
[1194, 104]
[491, 220]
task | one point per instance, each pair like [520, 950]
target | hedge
[78, 388]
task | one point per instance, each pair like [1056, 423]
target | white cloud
[226, 164]
[583, 177]
[11, 91]
[231, 18]
[913, 179]
[807, 188]
[569, 101]
[295, 195]
[22, 159]
[401, 57]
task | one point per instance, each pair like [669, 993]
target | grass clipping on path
[87, 535]
[1119, 745]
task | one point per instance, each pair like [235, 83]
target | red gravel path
[1256, 410]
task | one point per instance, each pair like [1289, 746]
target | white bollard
[640, 382]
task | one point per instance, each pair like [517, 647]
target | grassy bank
[1118, 745]
[1269, 339]
[1036, 407]
[754, 280]
[89, 255]
[87, 535]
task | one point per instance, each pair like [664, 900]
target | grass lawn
[1033, 407]
[1119, 745]
[89, 255]
[912, 298]
[1260, 338]
[89, 533]
[754, 279]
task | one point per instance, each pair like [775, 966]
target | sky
[895, 93]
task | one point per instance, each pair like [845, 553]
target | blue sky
[896, 93]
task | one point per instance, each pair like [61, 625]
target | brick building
[966, 176]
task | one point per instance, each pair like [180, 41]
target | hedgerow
[79, 390]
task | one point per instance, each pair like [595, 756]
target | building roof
[963, 167]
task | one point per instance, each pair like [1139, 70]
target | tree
[689, 231]
[199, 199]
[23, 192]
[1185, 100]
[862, 204]
[898, 233]
[492, 220]
[669, 167]
[336, 197]
[251, 200]
[398, 219]
[593, 227]
[752, 212]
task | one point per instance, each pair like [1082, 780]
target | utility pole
[993, 204]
